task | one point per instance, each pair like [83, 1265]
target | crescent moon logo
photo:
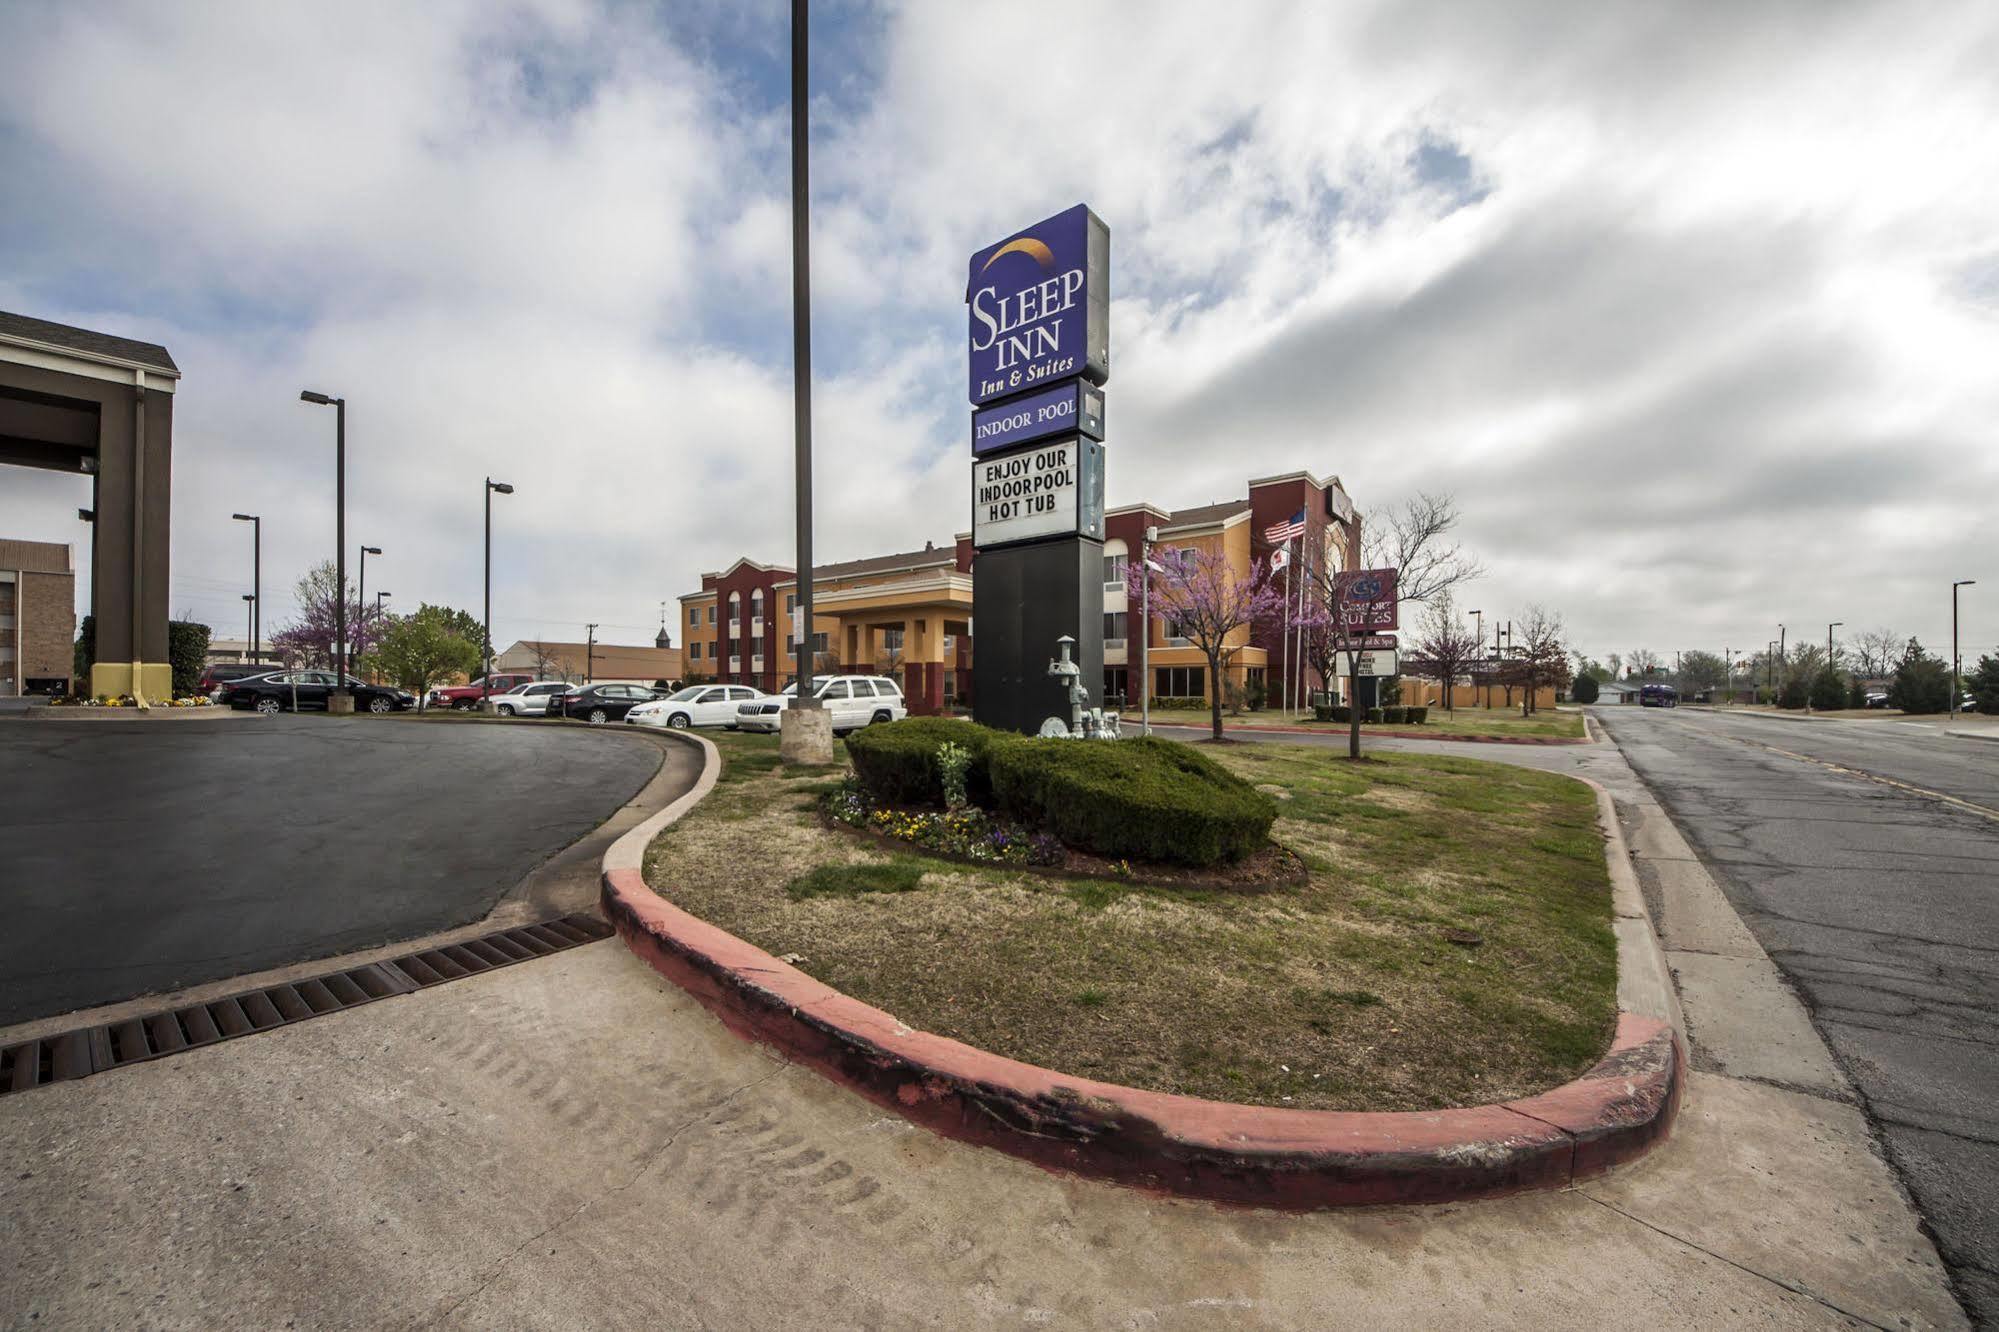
[1026, 245]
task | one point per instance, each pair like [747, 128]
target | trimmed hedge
[897, 761]
[1419, 715]
[1396, 716]
[1373, 715]
[1146, 798]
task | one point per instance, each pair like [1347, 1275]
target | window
[739, 694]
[838, 689]
[1115, 623]
[757, 605]
[1114, 682]
[711, 616]
[892, 640]
[1114, 569]
[887, 688]
[790, 602]
[819, 643]
[862, 689]
[1180, 681]
[694, 618]
[790, 644]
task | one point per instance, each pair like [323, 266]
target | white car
[854, 700]
[696, 705]
[528, 700]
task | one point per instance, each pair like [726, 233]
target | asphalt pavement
[138, 857]
[1881, 906]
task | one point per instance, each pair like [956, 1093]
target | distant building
[37, 617]
[910, 613]
[601, 663]
[1618, 691]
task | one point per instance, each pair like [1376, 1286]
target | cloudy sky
[1696, 311]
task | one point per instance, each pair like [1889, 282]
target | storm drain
[86, 1050]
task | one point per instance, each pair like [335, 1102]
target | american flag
[1277, 533]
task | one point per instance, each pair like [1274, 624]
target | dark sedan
[600, 702]
[307, 691]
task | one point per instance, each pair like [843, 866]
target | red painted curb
[1333, 728]
[1256, 1155]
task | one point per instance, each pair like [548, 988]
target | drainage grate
[86, 1050]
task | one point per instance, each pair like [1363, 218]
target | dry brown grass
[1344, 993]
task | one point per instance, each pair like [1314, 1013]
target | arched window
[1116, 556]
[735, 612]
[757, 605]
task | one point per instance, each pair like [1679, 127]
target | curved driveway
[147, 856]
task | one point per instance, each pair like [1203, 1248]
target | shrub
[1922, 683]
[1147, 798]
[1584, 690]
[1320, 712]
[1419, 715]
[1374, 715]
[1828, 689]
[1396, 716]
[1856, 693]
[953, 760]
[1257, 693]
[1984, 685]
[1795, 692]
[897, 761]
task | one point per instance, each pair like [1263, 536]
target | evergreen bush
[1395, 716]
[1828, 689]
[1419, 715]
[1373, 715]
[1584, 690]
[897, 761]
[1146, 798]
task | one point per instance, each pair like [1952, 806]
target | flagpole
[1298, 632]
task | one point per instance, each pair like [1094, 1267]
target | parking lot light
[486, 675]
[339, 405]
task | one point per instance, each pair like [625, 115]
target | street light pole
[341, 699]
[256, 580]
[486, 654]
[361, 595]
[1783, 653]
[801, 366]
[1478, 636]
[381, 597]
[249, 617]
[590, 654]
[1836, 624]
[1145, 540]
[1956, 662]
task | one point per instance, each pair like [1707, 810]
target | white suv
[528, 700]
[854, 700]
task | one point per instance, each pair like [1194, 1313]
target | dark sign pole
[801, 351]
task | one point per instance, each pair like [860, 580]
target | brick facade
[37, 616]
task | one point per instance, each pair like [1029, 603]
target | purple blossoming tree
[1206, 601]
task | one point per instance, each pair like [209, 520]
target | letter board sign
[1371, 663]
[1053, 489]
[1065, 410]
[1039, 307]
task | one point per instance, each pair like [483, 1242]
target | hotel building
[910, 614]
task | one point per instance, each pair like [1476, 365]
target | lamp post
[256, 581]
[486, 654]
[381, 597]
[1955, 661]
[341, 699]
[361, 595]
[590, 655]
[1836, 624]
[1478, 635]
[806, 744]
[1783, 656]
[249, 619]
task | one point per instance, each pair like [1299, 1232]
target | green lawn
[1467, 722]
[1453, 945]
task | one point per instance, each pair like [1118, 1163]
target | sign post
[1365, 602]
[1038, 326]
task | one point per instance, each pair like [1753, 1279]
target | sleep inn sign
[1040, 307]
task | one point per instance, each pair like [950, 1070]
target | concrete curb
[1974, 735]
[1256, 1155]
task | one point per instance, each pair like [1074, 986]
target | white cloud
[1709, 313]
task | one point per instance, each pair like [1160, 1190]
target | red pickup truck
[466, 697]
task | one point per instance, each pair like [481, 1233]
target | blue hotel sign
[1040, 307]
[1071, 408]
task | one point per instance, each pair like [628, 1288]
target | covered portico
[920, 628]
[72, 400]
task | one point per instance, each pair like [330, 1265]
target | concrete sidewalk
[572, 1142]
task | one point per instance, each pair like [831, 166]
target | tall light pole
[381, 597]
[249, 618]
[256, 581]
[1145, 540]
[361, 593]
[341, 699]
[590, 655]
[801, 367]
[1783, 653]
[1478, 636]
[1955, 661]
[1836, 624]
[486, 655]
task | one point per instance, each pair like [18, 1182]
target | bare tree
[1876, 652]
[1643, 661]
[1447, 646]
[1415, 539]
[1544, 658]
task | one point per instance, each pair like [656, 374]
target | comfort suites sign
[1040, 307]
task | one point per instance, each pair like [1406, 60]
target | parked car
[599, 702]
[854, 700]
[1876, 699]
[305, 691]
[466, 697]
[528, 700]
[696, 705]
[213, 678]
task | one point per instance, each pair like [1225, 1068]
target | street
[145, 856]
[1879, 906]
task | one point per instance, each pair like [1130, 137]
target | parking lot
[147, 856]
